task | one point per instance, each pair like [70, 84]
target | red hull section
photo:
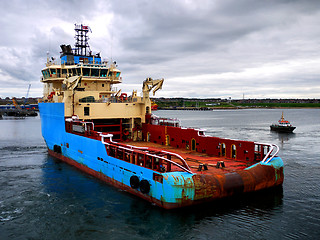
[194, 140]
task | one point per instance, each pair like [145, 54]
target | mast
[82, 47]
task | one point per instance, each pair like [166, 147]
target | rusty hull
[229, 184]
[185, 190]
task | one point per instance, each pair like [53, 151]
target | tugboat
[88, 123]
[283, 126]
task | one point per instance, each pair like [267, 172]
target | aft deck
[198, 162]
[153, 155]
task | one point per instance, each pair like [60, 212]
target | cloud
[202, 48]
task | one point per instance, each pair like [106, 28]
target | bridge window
[86, 71]
[114, 74]
[45, 73]
[95, 72]
[104, 72]
[53, 71]
[64, 72]
[74, 72]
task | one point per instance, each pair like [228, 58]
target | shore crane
[27, 95]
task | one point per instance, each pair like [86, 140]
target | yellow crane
[15, 103]
[150, 84]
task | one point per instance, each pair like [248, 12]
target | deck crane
[150, 84]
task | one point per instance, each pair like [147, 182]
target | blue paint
[87, 151]
[77, 59]
[276, 162]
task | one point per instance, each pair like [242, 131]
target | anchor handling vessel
[89, 123]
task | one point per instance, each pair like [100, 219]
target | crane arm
[72, 82]
[15, 103]
[150, 84]
[27, 95]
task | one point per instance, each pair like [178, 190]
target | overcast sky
[206, 49]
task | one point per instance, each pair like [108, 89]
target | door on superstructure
[233, 151]
[167, 140]
[148, 137]
[223, 149]
[193, 144]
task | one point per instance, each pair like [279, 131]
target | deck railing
[146, 152]
[263, 152]
[273, 150]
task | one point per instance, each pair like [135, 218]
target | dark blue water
[42, 198]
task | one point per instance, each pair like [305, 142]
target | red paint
[182, 138]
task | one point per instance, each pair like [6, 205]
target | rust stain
[166, 177]
[222, 185]
[188, 183]
[206, 186]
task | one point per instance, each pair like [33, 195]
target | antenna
[111, 44]
[48, 56]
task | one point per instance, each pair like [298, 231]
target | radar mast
[82, 47]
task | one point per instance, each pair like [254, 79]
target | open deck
[198, 162]
[149, 155]
[207, 155]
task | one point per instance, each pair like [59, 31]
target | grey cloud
[176, 40]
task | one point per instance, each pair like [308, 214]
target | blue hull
[85, 153]
[177, 188]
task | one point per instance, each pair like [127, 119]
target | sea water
[43, 198]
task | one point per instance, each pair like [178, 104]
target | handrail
[82, 122]
[178, 156]
[186, 168]
[85, 125]
[272, 146]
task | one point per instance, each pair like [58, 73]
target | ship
[283, 126]
[89, 123]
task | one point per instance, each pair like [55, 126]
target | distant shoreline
[212, 104]
[230, 108]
